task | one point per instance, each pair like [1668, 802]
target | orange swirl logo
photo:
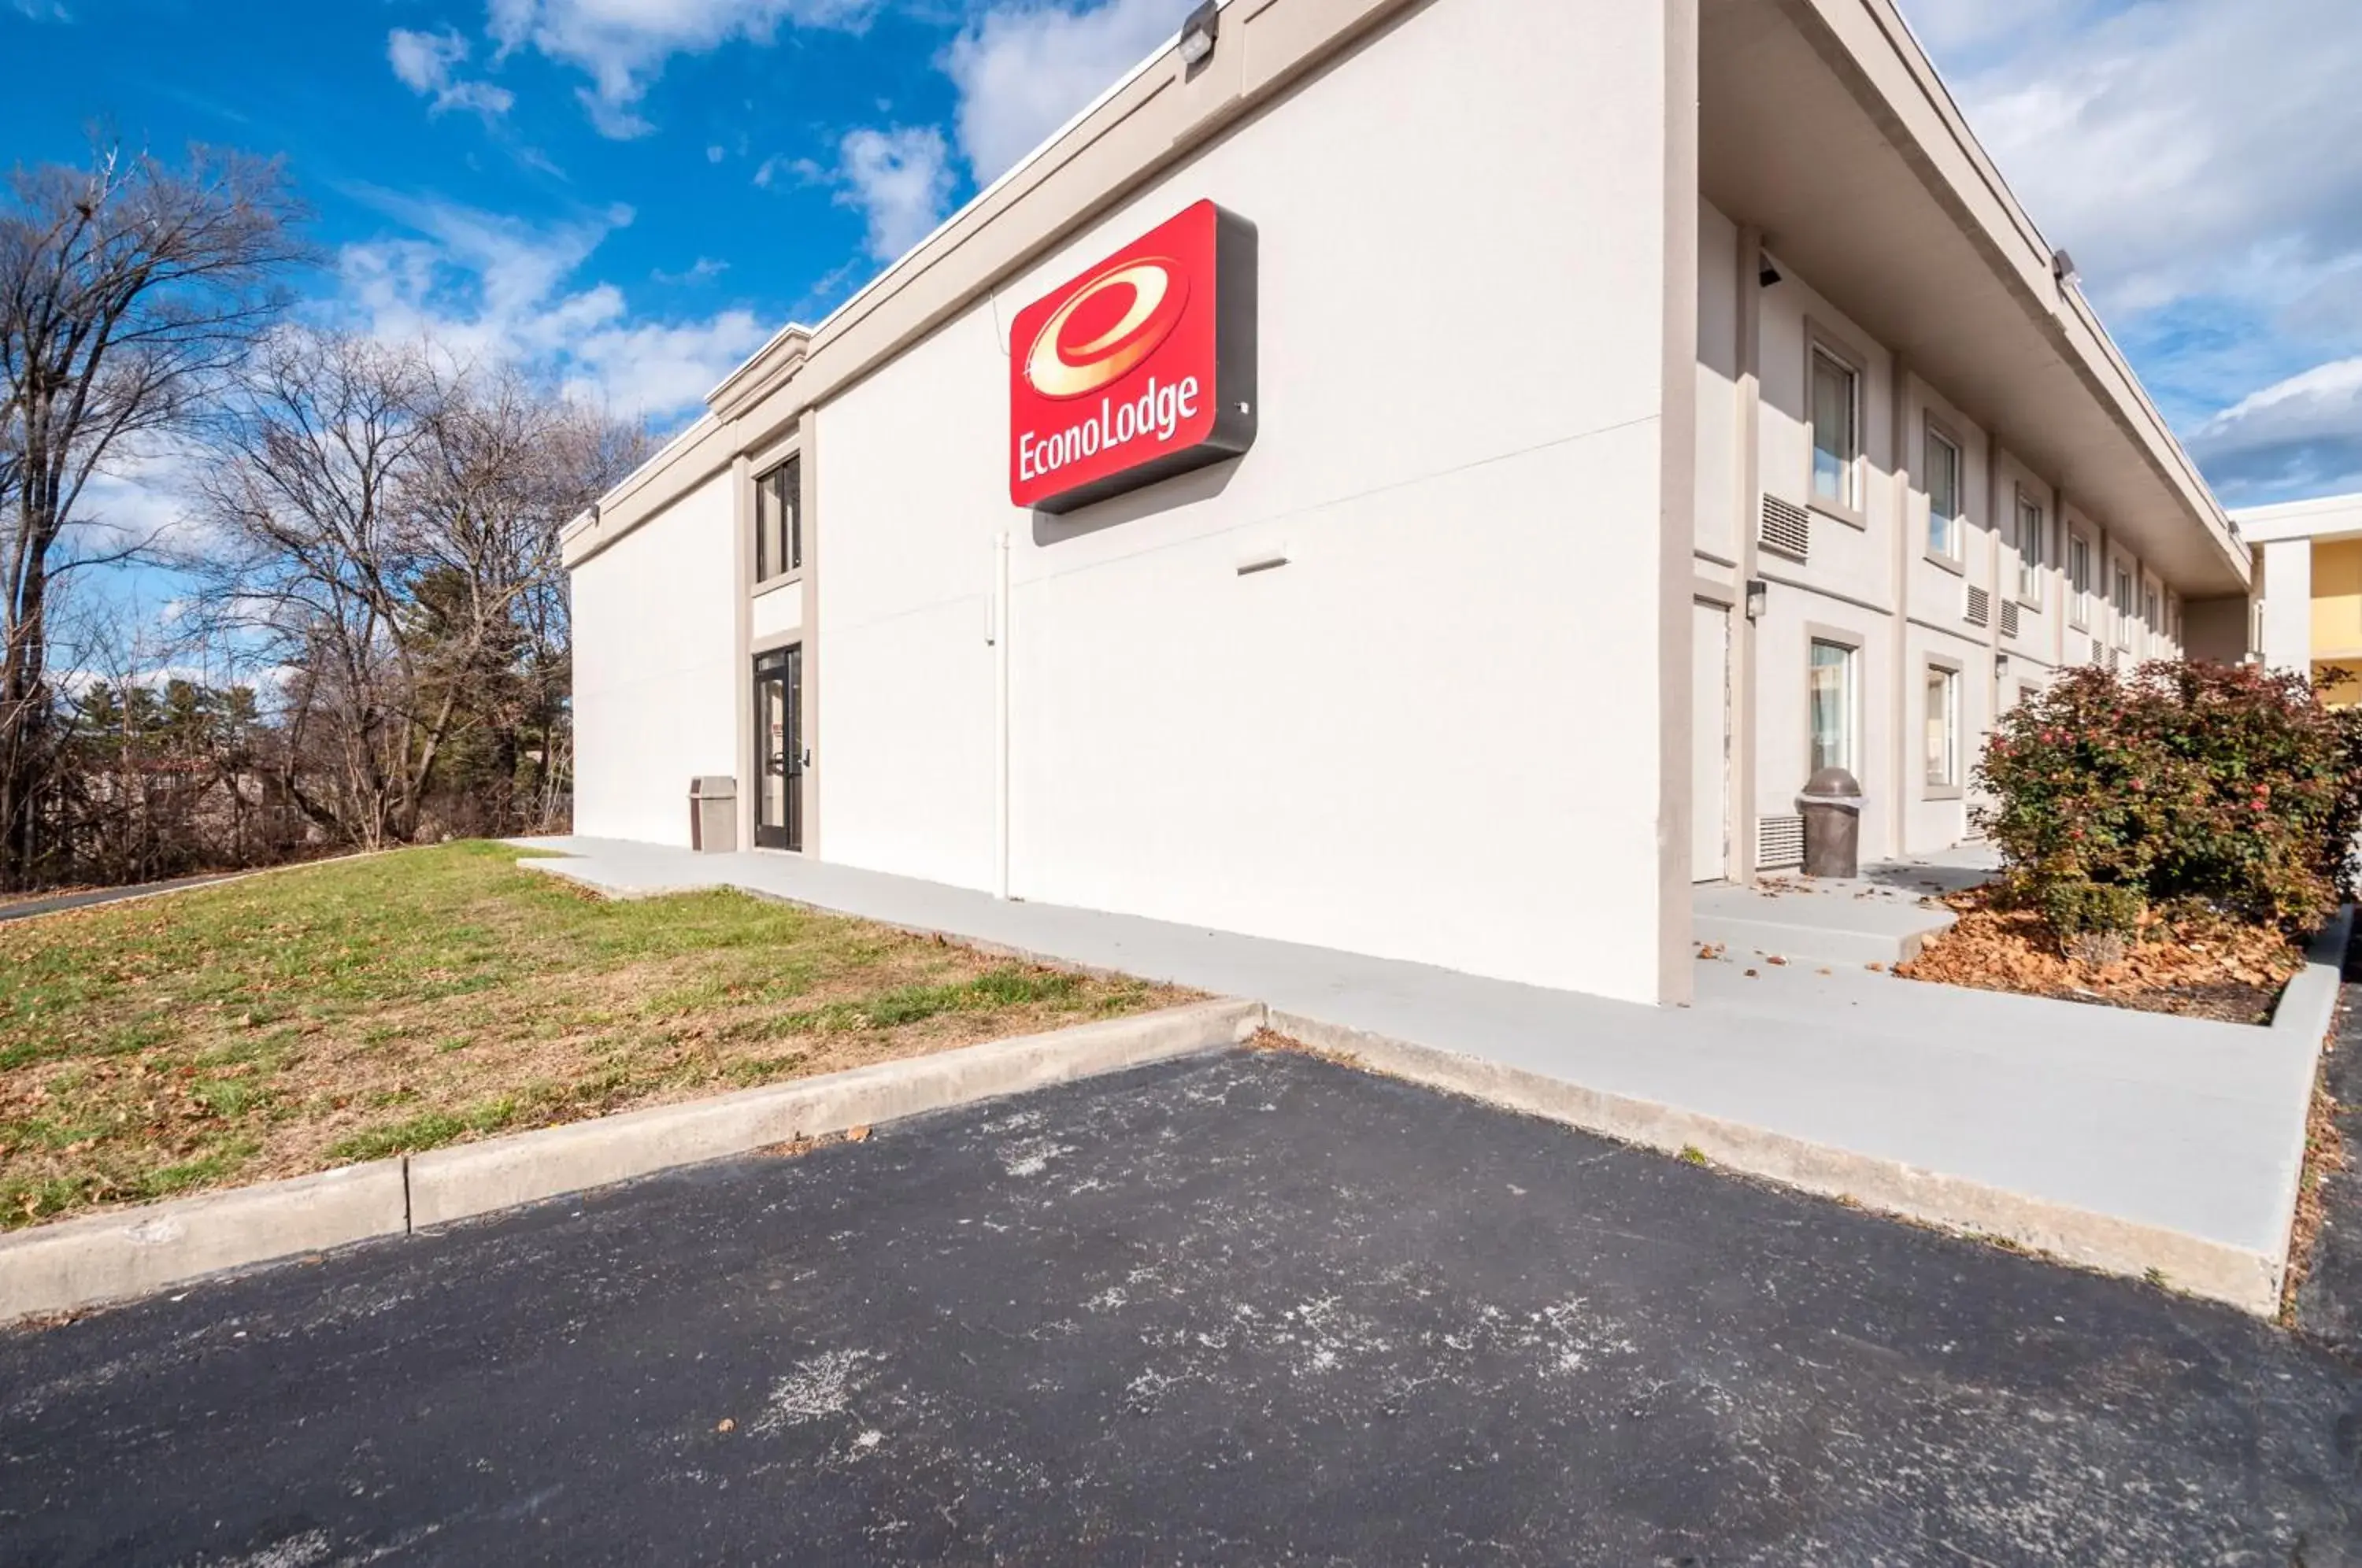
[1106, 327]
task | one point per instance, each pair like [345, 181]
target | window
[778, 521]
[2031, 527]
[1943, 463]
[1831, 695]
[2123, 607]
[2151, 620]
[1836, 432]
[1943, 726]
[2079, 577]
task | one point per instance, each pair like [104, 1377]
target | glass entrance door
[779, 757]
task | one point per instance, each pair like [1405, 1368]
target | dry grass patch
[290, 1024]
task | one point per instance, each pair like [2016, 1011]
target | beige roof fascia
[2329, 517]
[1879, 53]
[1145, 122]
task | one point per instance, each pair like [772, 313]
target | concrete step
[1834, 922]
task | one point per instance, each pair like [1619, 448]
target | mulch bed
[2194, 965]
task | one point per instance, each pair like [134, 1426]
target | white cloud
[622, 45]
[899, 180]
[483, 285]
[704, 269]
[2203, 162]
[2185, 145]
[1024, 69]
[2302, 435]
[425, 63]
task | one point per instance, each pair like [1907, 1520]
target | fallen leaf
[726, 1425]
[857, 1136]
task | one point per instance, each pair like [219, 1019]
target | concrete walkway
[2126, 1140]
[1882, 916]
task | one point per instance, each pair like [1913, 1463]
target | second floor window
[2079, 577]
[2031, 527]
[1943, 496]
[1836, 431]
[778, 521]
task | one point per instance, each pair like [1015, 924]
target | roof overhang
[1823, 126]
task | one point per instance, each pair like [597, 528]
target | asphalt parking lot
[1252, 1308]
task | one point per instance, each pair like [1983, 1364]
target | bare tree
[126, 289]
[506, 464]
[389, 525]
[308, 550]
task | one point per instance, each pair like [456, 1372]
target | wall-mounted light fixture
[1758, 592]
[2062, 267]
[1197, 34]
[1769, 273]
[2001, 664]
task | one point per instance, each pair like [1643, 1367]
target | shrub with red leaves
[2233, 784]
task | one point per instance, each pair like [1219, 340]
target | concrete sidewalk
[2126, 1140]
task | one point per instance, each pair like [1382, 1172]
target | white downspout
[1000, 715]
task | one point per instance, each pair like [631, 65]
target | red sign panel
[1141, 369]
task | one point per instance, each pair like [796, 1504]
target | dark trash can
[1831, 805]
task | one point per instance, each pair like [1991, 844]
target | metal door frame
[784, 667]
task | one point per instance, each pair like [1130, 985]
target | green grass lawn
[316, 1017]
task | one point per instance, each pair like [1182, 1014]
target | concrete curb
[2306, 1012]
[2308, 1001]
[77, 1264]
[2218, 1271]
[2190, 1263]
[478, 1178]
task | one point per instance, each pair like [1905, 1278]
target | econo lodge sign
[1141, 368]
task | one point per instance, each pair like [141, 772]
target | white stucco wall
[1434, 733]
[655, 669]
[776, 613]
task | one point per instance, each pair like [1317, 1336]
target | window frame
[1820, 344]
[2122, 602]
[2030, 569]
[792, 542]
[1849, 643]
[2078, 588]
[1933, 433]
[1950, 787]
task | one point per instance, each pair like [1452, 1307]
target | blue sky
[634, 193]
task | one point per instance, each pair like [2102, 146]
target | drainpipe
[1000, 715]
[2003, 511]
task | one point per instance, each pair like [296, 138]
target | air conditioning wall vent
[1786, 528]
[1779, 841]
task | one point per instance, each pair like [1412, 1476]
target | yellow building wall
[2337, 601]
[2337, 620]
